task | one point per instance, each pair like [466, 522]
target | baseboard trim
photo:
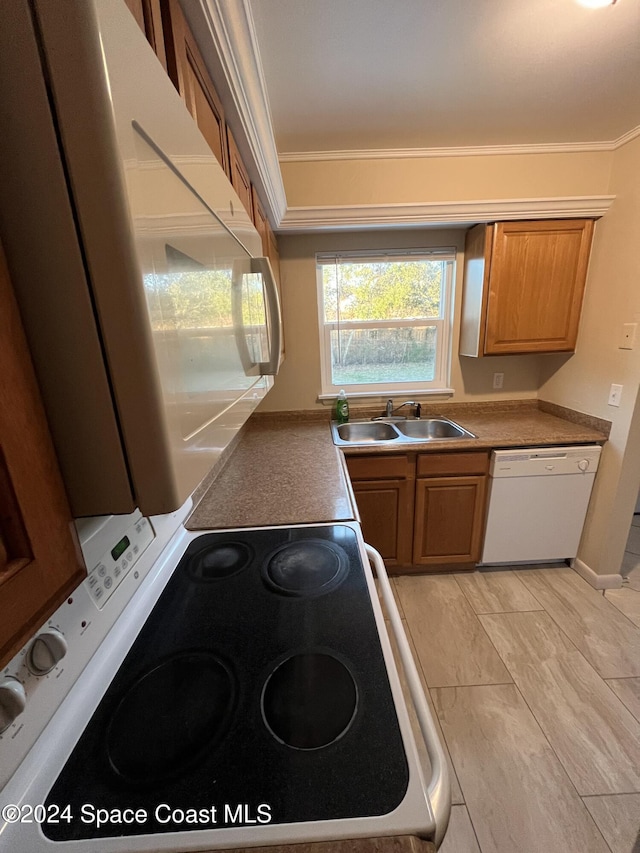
[597, 581]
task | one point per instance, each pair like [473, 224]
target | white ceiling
[398, 74]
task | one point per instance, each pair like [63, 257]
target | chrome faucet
[406, 403]
[389, 410]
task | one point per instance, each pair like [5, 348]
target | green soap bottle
[341, 408]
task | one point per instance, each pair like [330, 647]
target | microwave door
[256, 316]
[188, 258]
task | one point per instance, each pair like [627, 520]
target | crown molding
[232, 30]
[423, 153]
[441, 213]
[627, 137]
[464, 151]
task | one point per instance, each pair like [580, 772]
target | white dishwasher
[538, 500]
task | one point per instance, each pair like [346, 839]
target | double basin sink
[398, 431]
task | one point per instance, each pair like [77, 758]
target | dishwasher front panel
[538, 499]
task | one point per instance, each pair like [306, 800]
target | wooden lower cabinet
[422, 512]
[385, 512]
[449, 509]
[449, 516]
[383, 487]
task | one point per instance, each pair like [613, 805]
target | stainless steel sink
[365, 432]
[430, 428]
[399, 431]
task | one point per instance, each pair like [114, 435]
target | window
[385, 321]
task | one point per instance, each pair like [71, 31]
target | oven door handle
[439, 787]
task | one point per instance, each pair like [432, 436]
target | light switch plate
[614, 395]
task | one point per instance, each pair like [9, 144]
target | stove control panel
[111, 555]
[37, 679]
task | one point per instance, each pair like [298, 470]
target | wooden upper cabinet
[240, 180]
[260, 221]
[149, 17]
[40, 560]
[273, 254]
[189, 74]
[524, 284]
[269, 240]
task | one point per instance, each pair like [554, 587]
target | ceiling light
[596, 4]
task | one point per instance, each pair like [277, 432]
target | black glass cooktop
[255, 693]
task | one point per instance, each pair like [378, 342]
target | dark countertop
[285, 468]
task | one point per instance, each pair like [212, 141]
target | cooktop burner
[312, 567]
[169, 717]
[257, 681]
[215, 562]
[309, 701]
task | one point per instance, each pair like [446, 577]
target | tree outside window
[385, 321]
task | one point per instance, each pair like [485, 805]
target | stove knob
[583, 464]
[13, 701]
[46, 651]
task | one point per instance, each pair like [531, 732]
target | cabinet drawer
[379, 467]
[437, 464]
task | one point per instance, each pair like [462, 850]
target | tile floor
[627, 599]
[534, 678]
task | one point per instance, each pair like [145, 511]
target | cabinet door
[536, 284]
[449, 519]
[149, 18]
[273, 253]
[190, 77]
[240, 180]
[40, 561]
[385, 508]
[260, 221]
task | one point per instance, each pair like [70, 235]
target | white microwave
[153, 323]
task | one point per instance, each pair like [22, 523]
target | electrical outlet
[498, 381]
[614, 395]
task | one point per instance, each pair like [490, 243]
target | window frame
[444, 323]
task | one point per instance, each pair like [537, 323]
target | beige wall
[298, 384]
[444, 179]
[583, 381]
[580, 381]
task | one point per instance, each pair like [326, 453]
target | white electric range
[205, 690]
